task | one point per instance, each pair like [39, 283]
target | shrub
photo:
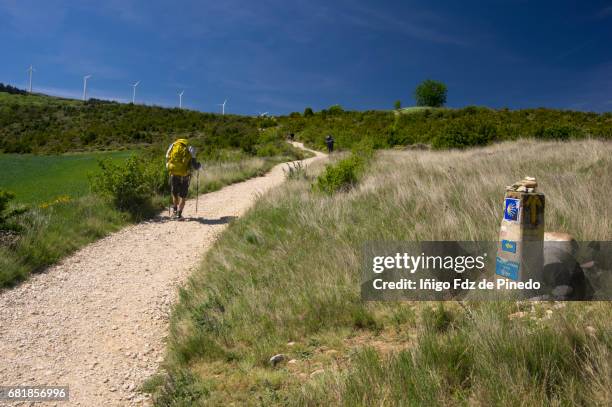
[397, 104]
[343, 175]
[130, 186]
[430, 93]
[463, 134]
[308, 112]
[335, 109]
[266, 122]
[560, 133]
[7, 214]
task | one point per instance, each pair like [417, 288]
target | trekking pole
[197, 189]
[170, 202]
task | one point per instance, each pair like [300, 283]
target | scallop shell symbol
[511, 210]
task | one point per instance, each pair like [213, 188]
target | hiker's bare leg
[181, 204]
[175, 200]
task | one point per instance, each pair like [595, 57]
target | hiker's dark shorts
[179, 185]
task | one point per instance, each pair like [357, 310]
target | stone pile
[527, 184]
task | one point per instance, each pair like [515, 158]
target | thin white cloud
[420, 25]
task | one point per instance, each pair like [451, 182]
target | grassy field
[285, 279]
[39, 179]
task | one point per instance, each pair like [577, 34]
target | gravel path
[97, 320]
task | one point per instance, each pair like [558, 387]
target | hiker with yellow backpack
[180, 162]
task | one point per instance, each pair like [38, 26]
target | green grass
[285, 279]
[55, 231]
[39, 179]
[484, 360]
[417, 109]
[36, 100]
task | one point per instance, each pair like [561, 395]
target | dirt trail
[96, 321]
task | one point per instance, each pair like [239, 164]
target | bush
[430, 93]
[6, 214]
[130, 186]
[397, 104]
[335, 109]
[464, 134]
[344, 174]
[308, 112]
[560, 133]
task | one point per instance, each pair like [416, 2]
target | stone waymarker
[521, 237]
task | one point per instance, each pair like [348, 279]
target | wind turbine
[181, 99]
[85, 86]
[134, 92]
[223, 106]
[30, 70]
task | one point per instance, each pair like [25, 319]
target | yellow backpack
[179, 158]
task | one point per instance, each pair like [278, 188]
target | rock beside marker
[527, 184]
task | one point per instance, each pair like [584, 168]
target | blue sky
[281, 56]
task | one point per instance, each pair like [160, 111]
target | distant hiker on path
[180, 161]
[329, 140]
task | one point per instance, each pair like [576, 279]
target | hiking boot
[179, 215]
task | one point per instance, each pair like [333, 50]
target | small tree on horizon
[335, 109]
[308, 112]
[430, 93]
[398, 104]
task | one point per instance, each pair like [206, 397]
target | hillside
[285, 279]
[445, 128]
[44, 124]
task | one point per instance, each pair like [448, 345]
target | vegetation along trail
[96, 321]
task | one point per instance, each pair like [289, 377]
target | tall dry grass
[465, 189]
[215, 175]
[285, 279]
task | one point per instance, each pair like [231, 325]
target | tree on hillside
[11, 89]
[430, 93]
[308, 112]
[335, 109]
[398, 104]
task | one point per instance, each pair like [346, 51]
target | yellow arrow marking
[533, 202]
